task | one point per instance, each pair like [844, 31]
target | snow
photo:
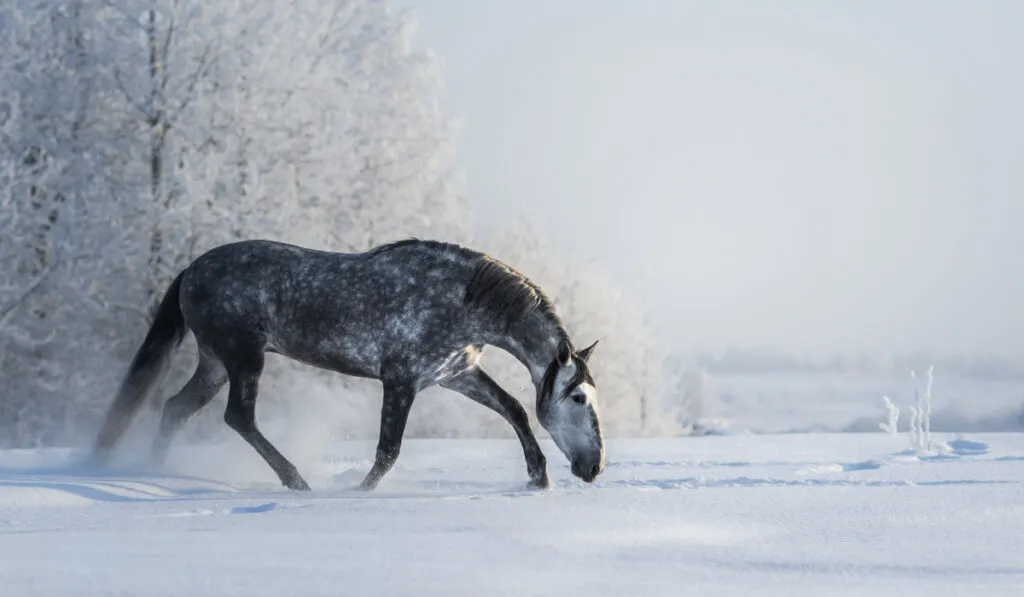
[795, 514]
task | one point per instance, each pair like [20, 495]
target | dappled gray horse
[411, 314]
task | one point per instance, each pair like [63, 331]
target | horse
[411, 314]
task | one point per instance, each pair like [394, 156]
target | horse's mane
[508, 294]
[495, 287]
[433, 244]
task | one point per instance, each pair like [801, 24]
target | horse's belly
[348, 354]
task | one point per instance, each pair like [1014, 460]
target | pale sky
[813, 176]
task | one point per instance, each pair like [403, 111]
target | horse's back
[238, 288]
[347, 311]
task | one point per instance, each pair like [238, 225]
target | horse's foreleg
[240, 415]
[209, 378]
[476, 385]
[394, 414]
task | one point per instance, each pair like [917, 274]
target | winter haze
[810, 177]
[774, 217]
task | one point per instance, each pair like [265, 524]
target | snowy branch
[9, 309]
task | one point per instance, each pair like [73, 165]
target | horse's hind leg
[209, 378]
[240, 415]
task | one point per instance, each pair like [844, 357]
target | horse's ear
[564, 354]
[585, 353]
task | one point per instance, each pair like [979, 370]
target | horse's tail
[147, 367]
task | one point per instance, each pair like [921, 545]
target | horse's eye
[579, 398]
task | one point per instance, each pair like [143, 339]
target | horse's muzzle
[585, 470]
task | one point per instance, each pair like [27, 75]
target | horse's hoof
[541, 483]
[298, 485]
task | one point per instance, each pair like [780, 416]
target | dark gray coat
[411, 314]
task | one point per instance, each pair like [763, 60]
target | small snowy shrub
[891, 426]
[920, 416]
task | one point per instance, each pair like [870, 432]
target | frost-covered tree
[54, 223]
[137, 133]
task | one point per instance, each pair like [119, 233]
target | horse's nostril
[594, 470]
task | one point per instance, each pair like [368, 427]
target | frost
[920, 416]
[891, 426]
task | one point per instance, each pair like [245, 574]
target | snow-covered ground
[797, 514]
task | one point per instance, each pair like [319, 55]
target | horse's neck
[533, 343]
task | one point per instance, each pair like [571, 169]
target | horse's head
[567, 409]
